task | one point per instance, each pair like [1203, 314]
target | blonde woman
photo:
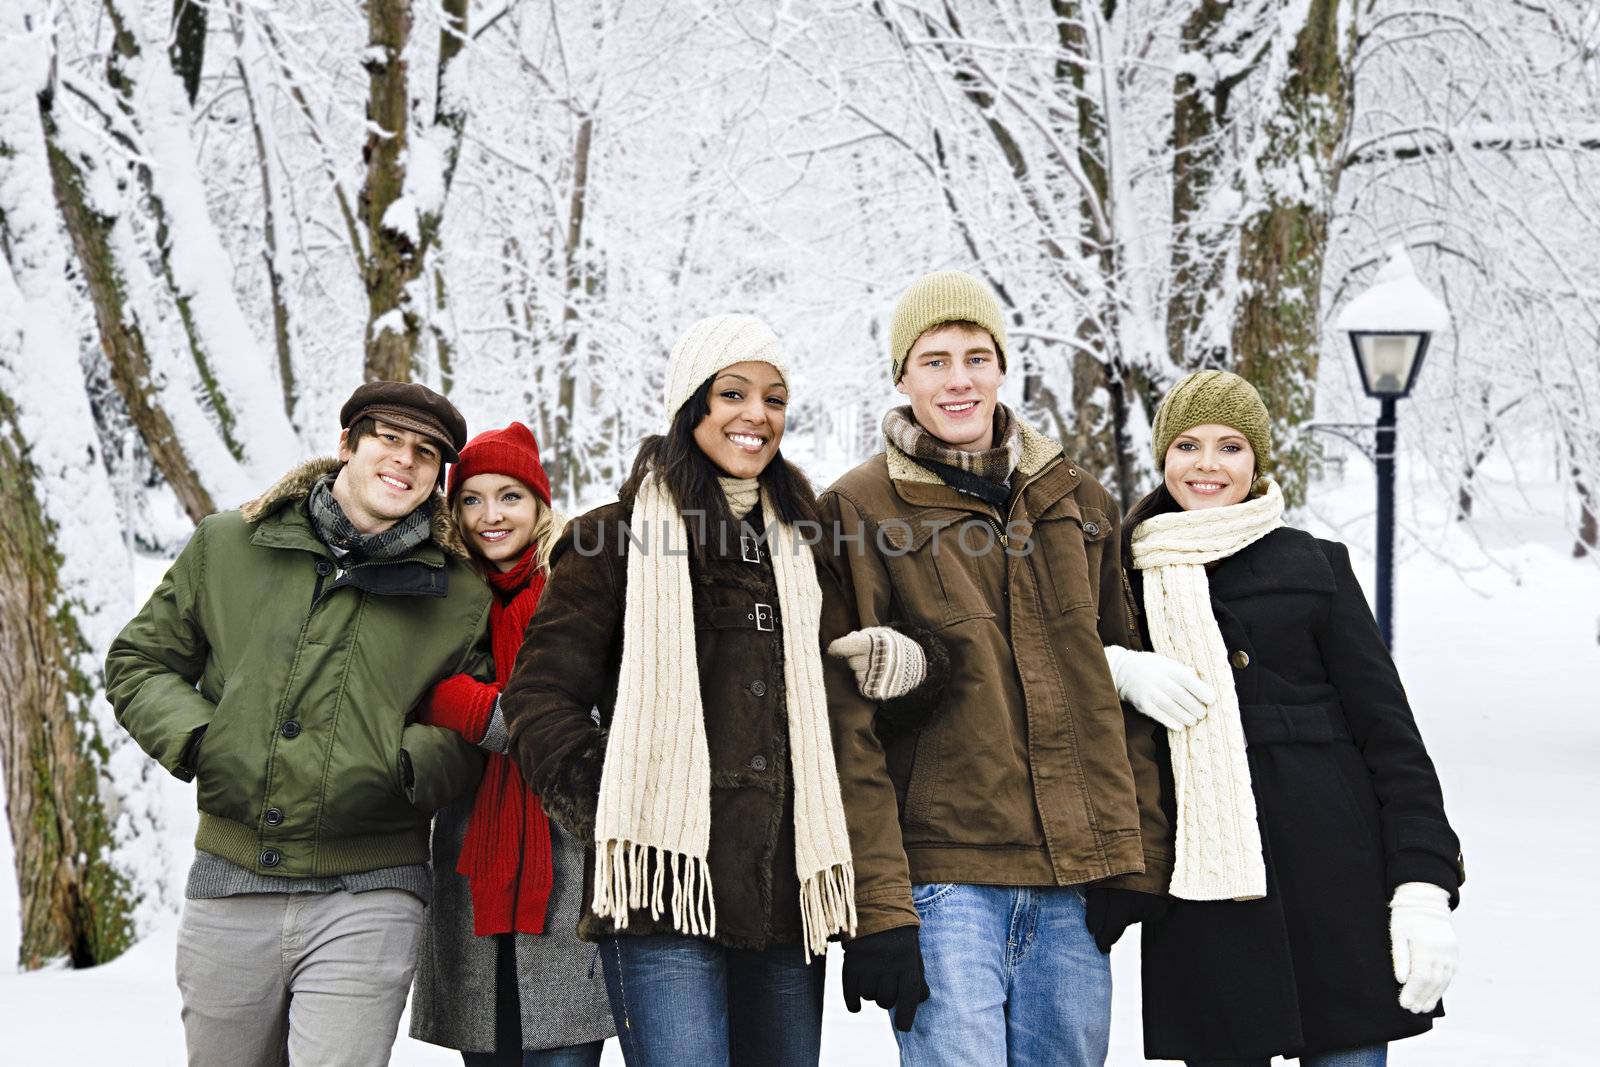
[501, 975]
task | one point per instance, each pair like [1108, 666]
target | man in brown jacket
[1022, 817]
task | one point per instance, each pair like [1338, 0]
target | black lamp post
[1390, 326]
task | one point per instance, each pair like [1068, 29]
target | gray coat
[453, 1001]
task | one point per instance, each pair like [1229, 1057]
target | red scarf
[506, 853]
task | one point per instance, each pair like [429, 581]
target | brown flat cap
[412, 407]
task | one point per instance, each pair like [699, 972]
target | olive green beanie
[1213, 396]
[945, 296]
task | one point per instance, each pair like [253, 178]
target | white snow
[401, 218]
[1397, 301]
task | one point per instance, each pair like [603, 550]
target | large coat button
[274, 817]
[290, 729]
[271, 857]
[758, 763]
[758, 688]
[324, 568]
[1240, 660]
[1092, 529]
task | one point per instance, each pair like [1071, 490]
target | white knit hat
[713, 344]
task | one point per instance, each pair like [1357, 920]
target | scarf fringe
[827, 906]
[630, 877]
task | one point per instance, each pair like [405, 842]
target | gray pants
[310, 979]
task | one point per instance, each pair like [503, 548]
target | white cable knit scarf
[655, 788]
[1219, 843]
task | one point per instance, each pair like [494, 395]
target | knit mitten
[463, 704]
[887, 663]
[1167, 691]
[1423, 942]
[885, 968]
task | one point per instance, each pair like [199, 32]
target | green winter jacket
[286, 687]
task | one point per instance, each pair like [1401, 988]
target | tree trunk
[1278, 325]
[188, 48]
[269, 223]
[1103, 441]
[394, 257]
[579, 281]
[1198, 237]
[402, 228]
[120, 335]
[75, 904]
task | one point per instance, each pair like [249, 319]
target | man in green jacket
[279, 665]
[1019, 826]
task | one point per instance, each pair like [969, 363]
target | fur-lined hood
[296, 485]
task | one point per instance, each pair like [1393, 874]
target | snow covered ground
[1497, 640]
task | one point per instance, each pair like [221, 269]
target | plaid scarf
[338, 532]
[994, 465]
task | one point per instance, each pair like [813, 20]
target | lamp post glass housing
[1389, 360]
[1389, 326]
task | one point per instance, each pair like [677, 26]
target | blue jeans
[1371, 1056]
[571, 1056]
[1016, 979]
[685, 1001]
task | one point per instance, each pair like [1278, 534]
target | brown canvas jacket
[1031, 772]
[569, 664]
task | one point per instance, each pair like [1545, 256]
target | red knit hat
[511, 451]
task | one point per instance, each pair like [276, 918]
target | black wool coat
[1349, 807]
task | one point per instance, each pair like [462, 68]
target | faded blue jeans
[1371, 1056]
[1015, 976]
[685, 1002]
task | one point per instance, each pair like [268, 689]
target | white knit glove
[1167, 691]
[1423, 944]
[888, 664]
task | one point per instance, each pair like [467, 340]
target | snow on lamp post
[1390, 326]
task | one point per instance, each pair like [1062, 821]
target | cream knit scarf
[1219, 843]
[655, 788]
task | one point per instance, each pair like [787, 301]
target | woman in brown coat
[692, 619]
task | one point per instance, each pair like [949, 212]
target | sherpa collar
[296, 485]
[1037, 452]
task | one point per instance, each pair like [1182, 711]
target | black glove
[885, 968]
[1111, 911]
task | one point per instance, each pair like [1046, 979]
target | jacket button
[1240, 659]
[290, 729]
[1092, 529]
[271, 857]
[324, 568]
[758, 763]
[274, 817]
[758, 688]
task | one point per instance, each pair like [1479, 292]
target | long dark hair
[1158, 501]
[691, 477]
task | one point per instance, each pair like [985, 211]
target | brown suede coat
[1031, 772]
[569, 665]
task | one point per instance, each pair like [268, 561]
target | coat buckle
[749, 549]
[764, 618]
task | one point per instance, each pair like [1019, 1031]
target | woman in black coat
[1351, 946]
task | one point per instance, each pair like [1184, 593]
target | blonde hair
[547, 526]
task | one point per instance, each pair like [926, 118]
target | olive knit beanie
[714, 343]
[934, 299]
[1213, 396]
